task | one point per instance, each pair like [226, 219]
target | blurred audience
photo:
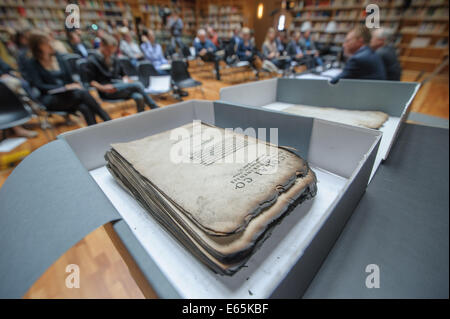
[246, 51]
[175, 26]
[282, 41]
[213, 36]
[381, 43]
[294, 48]
[57, 45]
[76, 44]
[153, 51]
[106, 74]
[236, 38]
[128, 47]
[205, 49]
[23, 54]
[52, 76]
[271, 54]
[362, 62]
[11, 79]
[309, 47]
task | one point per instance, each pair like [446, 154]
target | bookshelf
[149, 11]
[223, 16]
[18, 14]
[421, 30]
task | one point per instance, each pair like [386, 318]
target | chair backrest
[81, 65]
[192, 51]
[159, 84]
[128, 67]
[12, 111]
[179, 71]
[71, 59]
[92, 52]
[145, 70]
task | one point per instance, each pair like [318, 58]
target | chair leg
[44, 124]
[201, 90]
[50, 126]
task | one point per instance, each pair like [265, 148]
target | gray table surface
[400, 225]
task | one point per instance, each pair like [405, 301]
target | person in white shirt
[128, 47]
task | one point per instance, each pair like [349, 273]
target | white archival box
[342, 157]
[393, 98]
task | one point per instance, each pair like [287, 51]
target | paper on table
[11, 143]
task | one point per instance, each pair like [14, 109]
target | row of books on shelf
[35, 3]
[221, 10]
[431, 12]
[336, 4]
[42, 13]
[422, 42]
[330, 4]
[391, 13]
[429, 2]
[83, 4]
[54, 24]
[417, 42]
[432, 28]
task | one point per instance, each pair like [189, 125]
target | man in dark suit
[381, 44]
[76, 44]
[206, 50]
[363, 63]
[295, 50]
[105, 73]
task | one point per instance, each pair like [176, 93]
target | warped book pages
[369, 119]
[218, 192]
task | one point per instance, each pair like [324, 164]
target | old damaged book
[217, 191]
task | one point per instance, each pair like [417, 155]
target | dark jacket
[242, 49]
[391, 64]
[23, 63]
[76, 49]
[46, 80]
[365, 65]
[208, 45]
[308, 44]
[97, 70]
[292, 48]
[4, 67]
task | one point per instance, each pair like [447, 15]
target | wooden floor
[103, 273]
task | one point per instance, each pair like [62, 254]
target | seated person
[282, 42]
[246, 51]
[381, 44]
[128, 47]
[294, 48]
[23, 54]
[175, 27]
[57, 45]
[76, 44]
[104, 68]
[272, 57]
[205, 49]
[236, 38]
[213, 36]
[309, 47]
[49, 71]
[9, 77]
[153, 51]
[363, 63]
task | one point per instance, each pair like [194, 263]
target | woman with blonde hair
[270, 52]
